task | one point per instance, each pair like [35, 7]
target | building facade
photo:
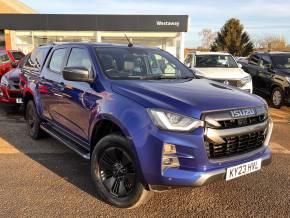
[27, 31]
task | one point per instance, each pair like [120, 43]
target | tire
[115, 173]
[33, 121]
[277, 97]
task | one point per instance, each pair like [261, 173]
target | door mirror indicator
[80, 74]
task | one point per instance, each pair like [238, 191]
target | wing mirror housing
[79, 74]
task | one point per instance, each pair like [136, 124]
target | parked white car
[221, 67]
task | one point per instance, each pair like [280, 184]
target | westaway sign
[167, 23]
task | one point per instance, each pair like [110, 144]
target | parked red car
[10, 93]
[9, 60]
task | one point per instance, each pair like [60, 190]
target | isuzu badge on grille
[246, 112]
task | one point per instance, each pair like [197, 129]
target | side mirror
[80, 74]
[14, 64]
[240, 65]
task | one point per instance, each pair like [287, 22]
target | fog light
[169, 158]
[1, 93]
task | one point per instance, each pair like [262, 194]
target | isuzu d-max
[143, 119]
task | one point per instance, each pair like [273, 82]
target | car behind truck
[221, 67]
[271, 75]
[143, 119]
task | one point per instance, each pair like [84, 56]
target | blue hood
[188, 97]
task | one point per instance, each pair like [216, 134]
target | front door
[79, 97]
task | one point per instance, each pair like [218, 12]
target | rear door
[265, 74]
[51, 86]
[253, 68]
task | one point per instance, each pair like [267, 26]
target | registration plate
[19, 100]
[243, 169]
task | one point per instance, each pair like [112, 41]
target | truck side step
[67, 141]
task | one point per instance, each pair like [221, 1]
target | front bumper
[196, 169]
[198, 179]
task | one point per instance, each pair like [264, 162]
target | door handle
[62, 83]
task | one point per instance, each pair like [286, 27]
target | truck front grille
[235, 145]
[15, 95]
[235, 83]
[232, 123]
[226, 136]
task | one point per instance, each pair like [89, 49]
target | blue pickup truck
[142, 118]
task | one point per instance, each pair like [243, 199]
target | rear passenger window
[56, 60]
[36, 59]
[79, 58]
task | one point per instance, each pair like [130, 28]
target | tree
[233, 39]
[272, 43]
[207, 37]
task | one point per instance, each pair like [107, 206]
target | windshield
[138, 63]
[222, 61]
[17, 55]
[281, 61]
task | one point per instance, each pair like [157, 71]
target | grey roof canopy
[82, 22]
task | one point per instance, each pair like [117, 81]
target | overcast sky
[260, 17]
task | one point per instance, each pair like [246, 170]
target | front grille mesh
[15, 95]
[235, 145]
[233, 123]
[235, 83]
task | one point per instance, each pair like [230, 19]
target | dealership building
[25, 31]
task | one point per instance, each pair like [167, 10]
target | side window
[57, 59]
[36, 59]
[265, 61]
[188, 60]
[255, 59]
[79, 58]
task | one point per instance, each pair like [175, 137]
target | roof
[272, 52]
[95, 44]
[15, 6]
[209, 53]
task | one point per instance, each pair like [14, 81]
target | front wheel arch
[113, 125]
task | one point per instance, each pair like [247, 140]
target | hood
[221, 73]
[188, 97]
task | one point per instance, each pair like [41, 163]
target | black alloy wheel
[117, 172]
[277, 97]
[33, 122]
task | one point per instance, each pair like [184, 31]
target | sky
[259, 17]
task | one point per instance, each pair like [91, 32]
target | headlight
[4, 81]
[288, 79]
[246, 80]
[173, 122]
